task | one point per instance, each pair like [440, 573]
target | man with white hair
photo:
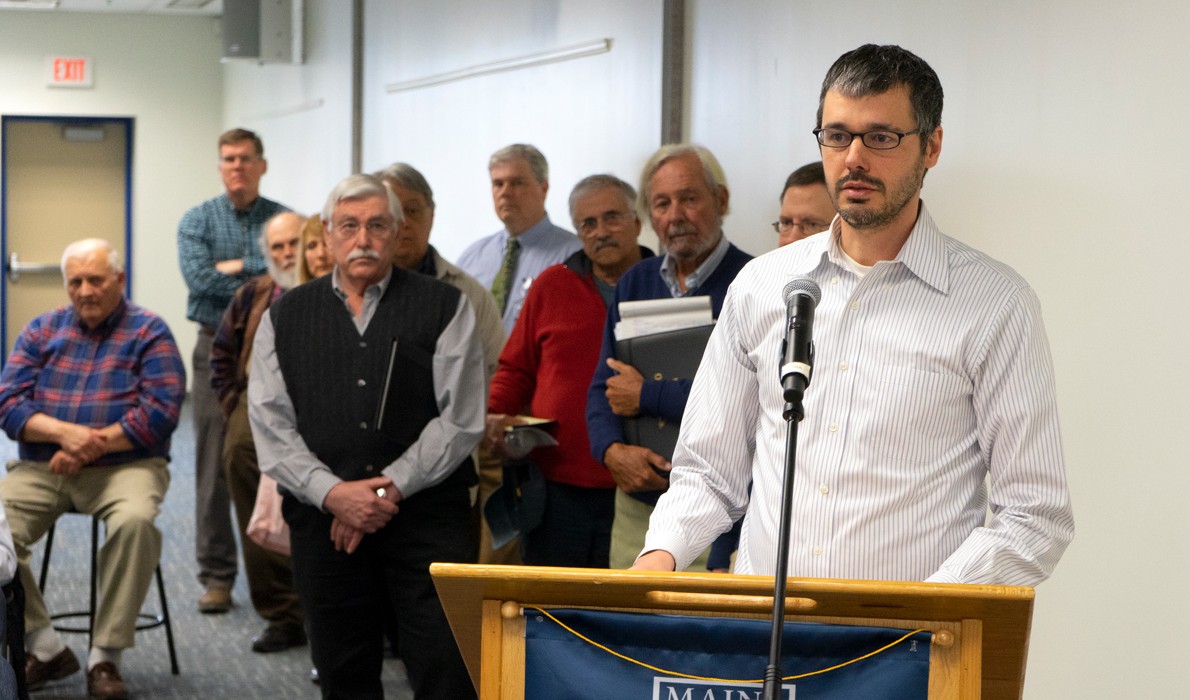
[684, 191]
[270, 579]
[92, 393]
[366, 397]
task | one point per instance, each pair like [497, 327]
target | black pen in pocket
[388, 379]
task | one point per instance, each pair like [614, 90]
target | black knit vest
[335, 376]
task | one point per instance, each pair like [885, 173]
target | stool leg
[45, 558]
[94, 580]
[169, 627]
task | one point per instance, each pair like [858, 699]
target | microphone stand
[772, 673]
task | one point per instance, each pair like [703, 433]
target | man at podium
[932, 394]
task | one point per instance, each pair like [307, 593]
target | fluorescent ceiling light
[28, 4]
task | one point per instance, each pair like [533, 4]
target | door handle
[16, 267]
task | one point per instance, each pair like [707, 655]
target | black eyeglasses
[877, 139]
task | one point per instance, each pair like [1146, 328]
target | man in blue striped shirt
[932, 399]
[218, 252]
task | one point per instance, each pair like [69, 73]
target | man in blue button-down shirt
[520, 181]
[218, 252]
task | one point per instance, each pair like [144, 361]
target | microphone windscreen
[801, 285]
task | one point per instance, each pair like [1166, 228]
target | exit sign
[69, 71]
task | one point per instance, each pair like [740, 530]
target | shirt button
[368, 468]
[363, 344]
[360, 382]
[855, 306]
[834, 280]
[818, 551]
[842, 366]
[363, 425]
[834, 427]
[824, 489]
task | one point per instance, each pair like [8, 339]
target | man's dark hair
[232, 136]
[873, 70]
[808, 174]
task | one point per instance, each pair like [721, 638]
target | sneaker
[215, 600]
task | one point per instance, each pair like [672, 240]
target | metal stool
[152, 621]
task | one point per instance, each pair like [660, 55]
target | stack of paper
[651, 316]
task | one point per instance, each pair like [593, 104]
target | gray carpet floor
[214, 653]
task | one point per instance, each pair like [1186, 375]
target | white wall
[301, 112]
[594, 114]
[1061, 157]
[164, 73]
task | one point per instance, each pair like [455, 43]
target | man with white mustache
[685, 193]
[366, 400]
[270, 579]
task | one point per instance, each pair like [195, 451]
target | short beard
[902, 196]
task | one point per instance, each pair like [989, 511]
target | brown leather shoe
[38, 672]
[215, 600]
[104, 682]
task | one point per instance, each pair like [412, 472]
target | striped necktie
[503, 280]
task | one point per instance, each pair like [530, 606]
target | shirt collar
[428, 266]
[700, 275]
[529, 236]
[106, 325]
[240, 212]
[923, 253]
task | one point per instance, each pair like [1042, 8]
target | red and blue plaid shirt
[126, 370]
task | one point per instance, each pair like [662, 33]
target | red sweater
[547, 365]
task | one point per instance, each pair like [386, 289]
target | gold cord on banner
[677, 674]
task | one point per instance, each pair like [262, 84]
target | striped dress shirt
[932, 372]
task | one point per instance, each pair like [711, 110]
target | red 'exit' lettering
[68, 70]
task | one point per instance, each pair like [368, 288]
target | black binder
[663, 356]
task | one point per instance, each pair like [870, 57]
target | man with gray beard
[270, 580]
[684, 191]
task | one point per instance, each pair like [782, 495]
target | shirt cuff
[321, 482]
[671, 543]
[650, 398]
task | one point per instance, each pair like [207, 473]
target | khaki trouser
[127, 497]
[270, 580]
[628, 534]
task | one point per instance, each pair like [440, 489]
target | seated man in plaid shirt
[92, 392]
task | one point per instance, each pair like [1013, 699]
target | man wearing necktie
[506, 262]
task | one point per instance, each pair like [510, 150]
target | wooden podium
[981, 633]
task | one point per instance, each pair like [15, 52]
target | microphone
[801, 295]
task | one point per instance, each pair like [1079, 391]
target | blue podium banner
[720, 658]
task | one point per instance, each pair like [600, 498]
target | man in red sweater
[547, 364]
